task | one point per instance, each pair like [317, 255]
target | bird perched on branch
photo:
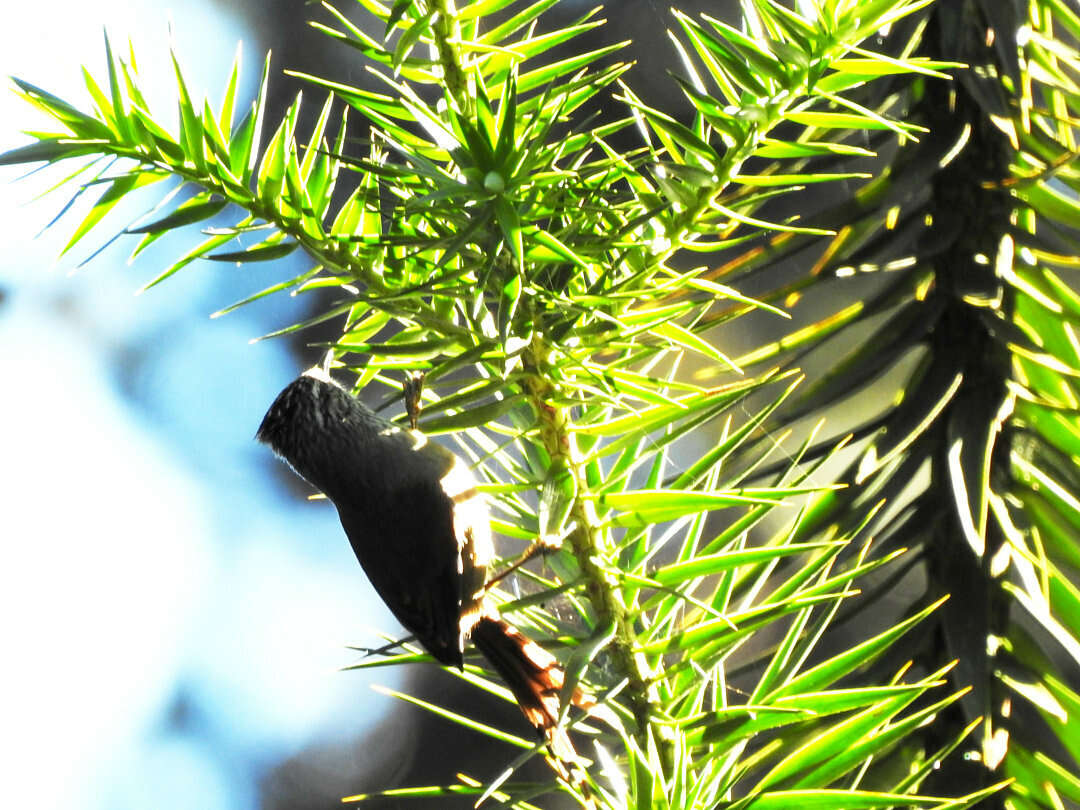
[420, 529]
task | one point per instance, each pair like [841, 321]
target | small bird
[420, 529]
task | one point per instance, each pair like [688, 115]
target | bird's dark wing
[406, 544]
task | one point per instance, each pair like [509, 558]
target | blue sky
[175, 617]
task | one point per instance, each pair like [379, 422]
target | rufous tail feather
[536, 679]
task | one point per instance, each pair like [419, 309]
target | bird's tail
[536, 679]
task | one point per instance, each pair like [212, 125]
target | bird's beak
[321, 372]
[318, 373]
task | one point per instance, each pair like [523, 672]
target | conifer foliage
[721, 555]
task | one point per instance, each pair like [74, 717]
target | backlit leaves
[468, 218]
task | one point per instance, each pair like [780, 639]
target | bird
[421, 531]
